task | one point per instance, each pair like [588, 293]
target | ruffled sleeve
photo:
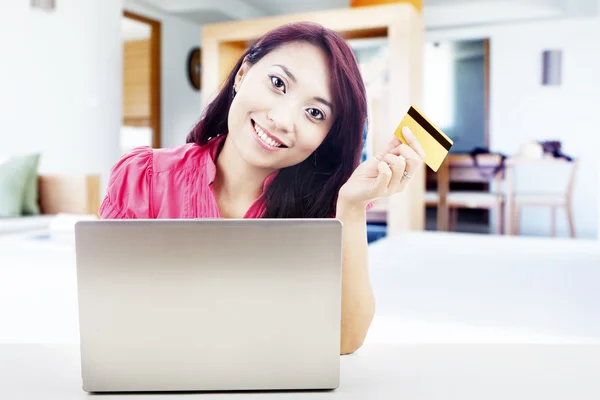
[130, 186]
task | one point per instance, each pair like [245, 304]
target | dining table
[464, 168]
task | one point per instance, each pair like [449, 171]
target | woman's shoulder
[179, 158]
[145, 159]
[141, 170]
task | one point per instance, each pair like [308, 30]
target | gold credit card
[433, 141]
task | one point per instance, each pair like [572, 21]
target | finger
[413, 160]
[405, 150]
[412, 141]
[395, 142]
[383, 178]
[392, 145]
[398, 166]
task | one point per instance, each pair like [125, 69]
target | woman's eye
[278, 83]
[315, 113]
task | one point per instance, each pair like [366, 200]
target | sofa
[30, 201]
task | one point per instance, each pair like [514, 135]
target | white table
[519, 320]
[416, 372]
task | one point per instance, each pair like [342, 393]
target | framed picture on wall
[47, 5]
[194, 68]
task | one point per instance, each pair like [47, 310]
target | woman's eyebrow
[293, 78]
[322, 100]
[287, 71]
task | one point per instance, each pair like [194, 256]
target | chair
[551, 199]
[461, 169]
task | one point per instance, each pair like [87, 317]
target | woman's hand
[385, 174]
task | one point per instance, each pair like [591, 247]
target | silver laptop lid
[178, 305]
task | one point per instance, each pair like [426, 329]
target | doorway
[457, 96]
[456, 90]
[141, 117]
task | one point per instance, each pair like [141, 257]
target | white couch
[25, 224]
[62, 198]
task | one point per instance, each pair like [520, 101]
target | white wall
[180, 103]
[60, 79]
[522, 109]
[61, 83]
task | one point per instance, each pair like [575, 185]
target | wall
[522, 109]
[180, 103]
[60, 79]
[61, 83]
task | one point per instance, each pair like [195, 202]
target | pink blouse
[168, 183]
[173, 183]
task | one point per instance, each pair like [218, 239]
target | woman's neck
[237, 184]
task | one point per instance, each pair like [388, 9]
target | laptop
[209, 305]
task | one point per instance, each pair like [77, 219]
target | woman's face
[283, 107]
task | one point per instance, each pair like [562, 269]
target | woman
[282, 139]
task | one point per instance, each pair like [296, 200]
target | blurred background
[505, 235]
[83, 82]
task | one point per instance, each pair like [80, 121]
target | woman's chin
[256, 157]
[256, 160]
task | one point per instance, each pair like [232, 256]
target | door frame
[486, 88]
[155, 74]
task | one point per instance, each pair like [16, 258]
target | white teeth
[263, 136]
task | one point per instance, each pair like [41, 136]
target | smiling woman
[283, 123]
[282, 139]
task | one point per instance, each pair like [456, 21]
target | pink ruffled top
[168, 183]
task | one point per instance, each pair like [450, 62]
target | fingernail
[406, 131]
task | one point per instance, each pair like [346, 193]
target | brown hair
[308, 189]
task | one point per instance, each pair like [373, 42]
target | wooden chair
[461, 169]
[552, 199]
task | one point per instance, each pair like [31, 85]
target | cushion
[31, 205]
[16, 176]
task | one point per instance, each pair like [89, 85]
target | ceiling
[437, 13]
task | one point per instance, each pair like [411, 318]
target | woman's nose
[282, 119]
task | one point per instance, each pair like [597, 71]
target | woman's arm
[379, 176]
[358, 302]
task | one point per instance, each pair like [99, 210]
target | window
[438, 83]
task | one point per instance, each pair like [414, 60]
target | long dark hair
[310, 188]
